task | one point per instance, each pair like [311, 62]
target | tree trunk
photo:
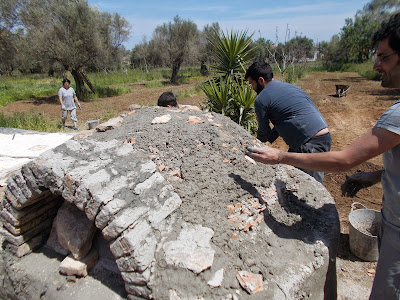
[80, 86]
[174, 76]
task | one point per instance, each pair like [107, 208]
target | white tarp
[17, 147]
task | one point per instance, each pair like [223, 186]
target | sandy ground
[348, 117]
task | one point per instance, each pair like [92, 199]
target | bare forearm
[334, 161]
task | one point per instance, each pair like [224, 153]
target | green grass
[190, 92]
[103, 92]
[20, 88]
[154, 84]
[106, 84]
[365, 69]
[29, 121]
[109, 114]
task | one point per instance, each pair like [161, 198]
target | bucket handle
[354, 204]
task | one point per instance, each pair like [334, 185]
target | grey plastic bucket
[92, 124]
[364, 227]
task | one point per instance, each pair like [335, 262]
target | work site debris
[246, 215]
[110, 124]
[162, 119]
[217, 279]
[250, 160]
[194, 120]
[252, 283]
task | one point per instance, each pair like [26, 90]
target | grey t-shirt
[294, 116]
[67, 97]
[390, 120]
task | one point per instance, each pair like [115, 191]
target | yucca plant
[232, 52]
[242, 106]
[227, 93]
[218, 94]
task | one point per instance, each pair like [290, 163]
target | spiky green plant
[219, 95]
[243, 104]
[227, 93]
[232, 52]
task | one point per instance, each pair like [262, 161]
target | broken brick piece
[252, 283]
[235, 236]
[234, 219]
[231, 209]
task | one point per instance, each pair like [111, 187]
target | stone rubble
[71, 266]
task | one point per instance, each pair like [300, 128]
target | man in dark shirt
[294, 116]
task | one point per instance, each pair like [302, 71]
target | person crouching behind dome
[167, 99]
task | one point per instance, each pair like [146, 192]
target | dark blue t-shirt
[294, 116]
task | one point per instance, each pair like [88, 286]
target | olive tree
[9, 35]
[73, 34]
[178, 39]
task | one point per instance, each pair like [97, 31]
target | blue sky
[318, 20]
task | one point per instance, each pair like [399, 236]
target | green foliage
[365, 69]
[103, 92]
[232, 52]
[28, 121]
[243, 105]
[51, 35]
[109, 114]
[177, 39]
[219, 95]
[354, 44]
[20, 88]
[355, 38]
[298, 72]
[206, 51]
[106, 84]
[189, 92]
[231, 97]
[153, 84]
[301, 47]
[227, 93]
[261, 46]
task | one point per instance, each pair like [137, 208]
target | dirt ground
[348, 117]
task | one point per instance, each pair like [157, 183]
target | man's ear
[261, 81]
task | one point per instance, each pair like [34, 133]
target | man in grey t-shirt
[66, 95]
[294, 115]
[383, 138]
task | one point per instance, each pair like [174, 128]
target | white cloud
[309, 9]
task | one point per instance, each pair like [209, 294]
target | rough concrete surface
[17, 147]
[162, 192]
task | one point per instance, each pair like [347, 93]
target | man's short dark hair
[66, 80]
[166, 99]
[389, 29]
[260, 69]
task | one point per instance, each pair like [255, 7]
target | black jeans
[321, 143]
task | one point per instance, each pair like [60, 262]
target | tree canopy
[70, 35]
[178, 39]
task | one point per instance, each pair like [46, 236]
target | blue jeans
[321, 143]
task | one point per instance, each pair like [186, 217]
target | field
[348, 117]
